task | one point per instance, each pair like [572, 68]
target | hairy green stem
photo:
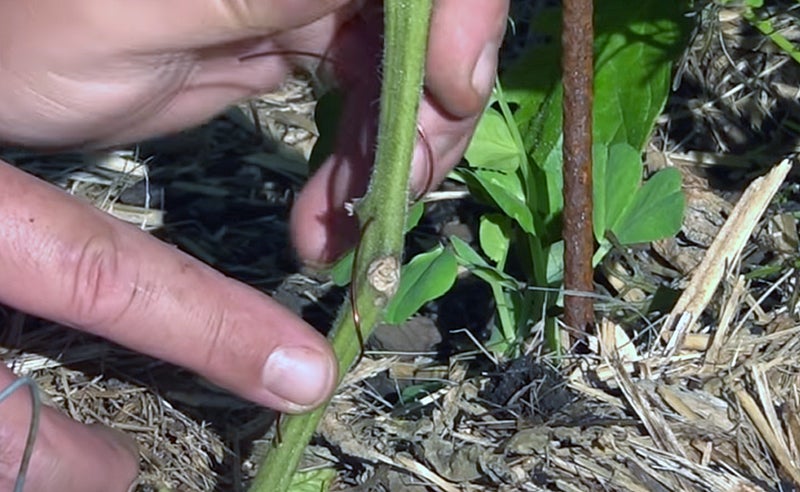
[381, 215]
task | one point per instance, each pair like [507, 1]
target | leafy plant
[515, 161]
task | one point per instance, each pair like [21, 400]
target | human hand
[93, 73]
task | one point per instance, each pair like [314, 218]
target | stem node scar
[384, 276]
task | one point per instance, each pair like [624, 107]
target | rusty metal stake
[577, 39]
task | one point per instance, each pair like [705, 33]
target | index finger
[64, 260]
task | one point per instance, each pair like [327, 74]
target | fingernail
[485, 70]
[300, 375]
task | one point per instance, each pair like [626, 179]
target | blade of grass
[766, 28]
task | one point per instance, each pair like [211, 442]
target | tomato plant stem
[383, 209]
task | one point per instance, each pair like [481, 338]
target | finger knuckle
[98, 292]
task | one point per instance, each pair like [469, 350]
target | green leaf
[656, 211]
[503, 287]
[342, 270]
[555, 263]
[599, 189]
[426, 277]
[465, 253]
[419, 391]
[505, 190]
[504, 337]
[415, 213]
[492, 146]
[636, 44]
[634, 214]
[494, 234]
[318, 480]
[617, 172]
[327, 114]
[530, 80]
[468, 257]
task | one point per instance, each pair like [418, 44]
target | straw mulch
[690, 381]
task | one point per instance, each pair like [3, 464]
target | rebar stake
[577, 64]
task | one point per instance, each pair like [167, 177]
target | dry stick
[722, 253]
[752, 410]
[577, 40]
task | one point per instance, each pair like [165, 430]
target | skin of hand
[93, 73]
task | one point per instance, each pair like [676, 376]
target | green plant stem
[532, 301]
[381, 214]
